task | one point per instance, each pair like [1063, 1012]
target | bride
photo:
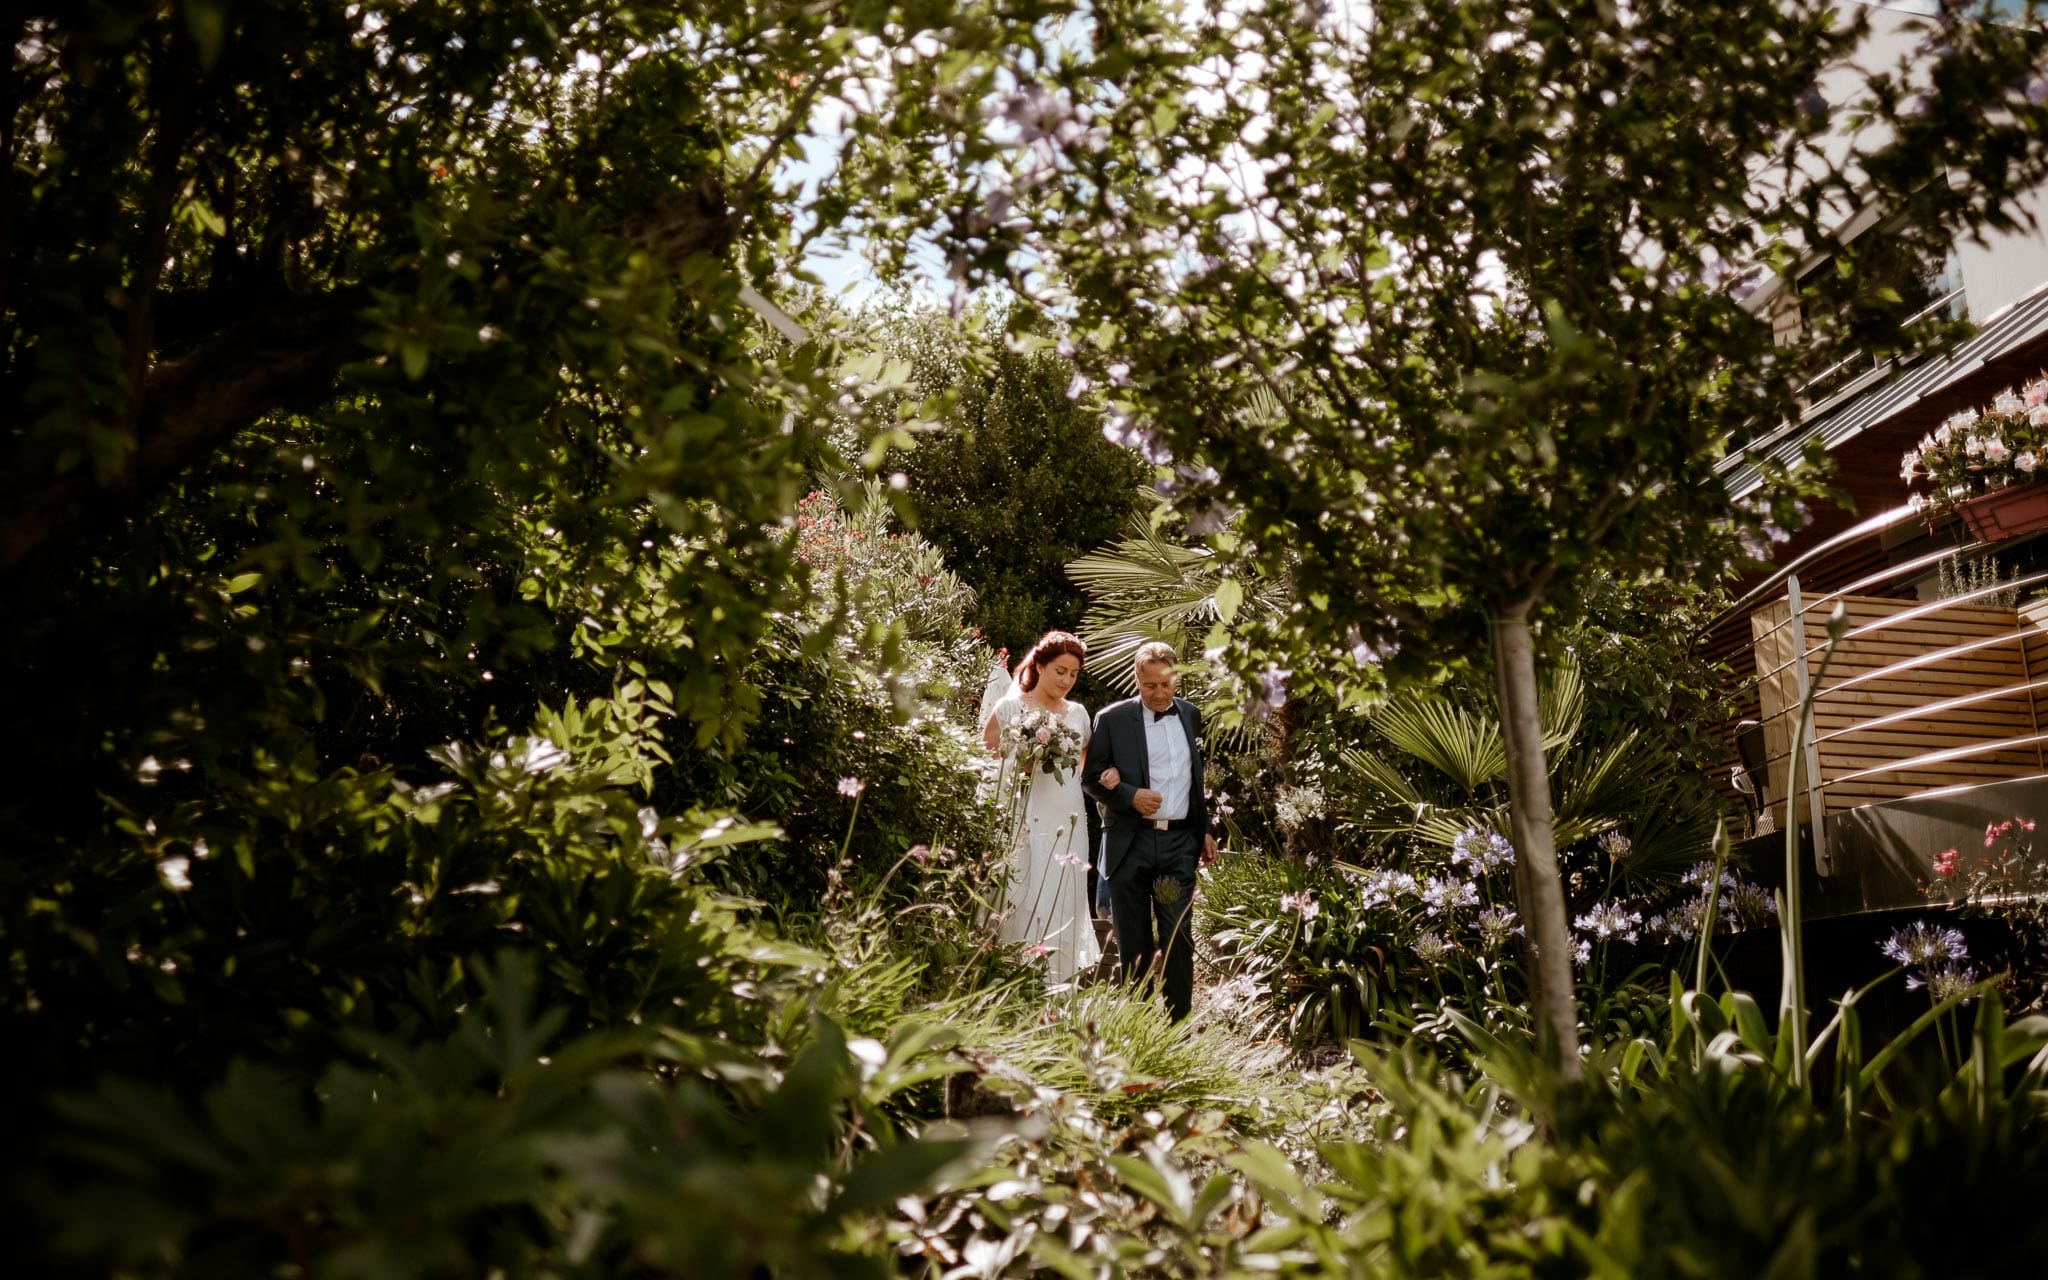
[1045, 902]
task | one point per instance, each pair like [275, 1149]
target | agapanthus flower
[1295, 807]
[1683, 922]
[1920, 945]
[1747, 905]
[1384, 888]
[1303, 904]
[1441, 894]
[1945, 983]
[1703, 872]
[1582, 952]
[1433, 948]
[1610, 920]
[1615, 845]
[1497, 925]
[851, 786]
[1482, 850]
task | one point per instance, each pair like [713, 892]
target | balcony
[1928, 714]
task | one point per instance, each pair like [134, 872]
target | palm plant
[1441, 767]
[1149, 586]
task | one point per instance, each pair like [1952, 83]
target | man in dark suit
[1156, 821]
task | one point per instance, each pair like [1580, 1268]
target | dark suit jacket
[1119, 740]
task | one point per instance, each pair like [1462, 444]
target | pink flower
[2037, 393]
[1945, 863]
[1037, 950]
[1043, 735]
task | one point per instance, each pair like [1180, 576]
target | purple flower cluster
[1608, 921]
[1433, 949]
[1497, 925]
[1935, 957]
[1442, 895]
[1384, 888]
[1482, 850]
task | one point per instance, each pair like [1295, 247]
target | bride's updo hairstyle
[1053, 644]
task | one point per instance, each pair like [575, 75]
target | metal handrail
[1890, 620]
[1942, 757]
[1770, 585]
[1911, 714]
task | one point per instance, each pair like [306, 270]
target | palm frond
[1143, 560]
[1463, 745]
[1382, 780]
[1561, 705]
[1605, 777]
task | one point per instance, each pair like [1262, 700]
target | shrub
[1020, 481]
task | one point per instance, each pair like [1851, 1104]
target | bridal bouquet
[1038, 739]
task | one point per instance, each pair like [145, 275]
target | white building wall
[2007, 266]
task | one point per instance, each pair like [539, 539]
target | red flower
[1945, 863]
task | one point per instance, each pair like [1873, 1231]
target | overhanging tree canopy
[1444, 296]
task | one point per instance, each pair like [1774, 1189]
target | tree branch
[187, 408]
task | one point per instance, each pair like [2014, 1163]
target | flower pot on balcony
[2007, 512]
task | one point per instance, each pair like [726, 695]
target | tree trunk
[1539, 892]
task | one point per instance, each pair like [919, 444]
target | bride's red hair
[1053, 644]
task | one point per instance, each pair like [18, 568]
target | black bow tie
[1160, 715]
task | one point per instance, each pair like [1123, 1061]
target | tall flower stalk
[1791, 920]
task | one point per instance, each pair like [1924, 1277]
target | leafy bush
[1020, 481]
[870, 687]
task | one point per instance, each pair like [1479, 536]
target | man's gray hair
[1155, 651]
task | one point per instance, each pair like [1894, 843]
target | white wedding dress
[1045, 902]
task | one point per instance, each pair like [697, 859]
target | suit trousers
[1151, 899]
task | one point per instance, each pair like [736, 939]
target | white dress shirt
[1169, 762]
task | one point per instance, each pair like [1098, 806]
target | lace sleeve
[1006, 709]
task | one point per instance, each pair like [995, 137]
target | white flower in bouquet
[1995, 450]
[2006, 402]
[1039, 740]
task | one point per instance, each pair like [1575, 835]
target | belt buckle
[1158, 824]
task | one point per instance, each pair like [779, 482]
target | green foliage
[1432, 767]
[502, 1148]
[1017, 480]
[873, 681]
